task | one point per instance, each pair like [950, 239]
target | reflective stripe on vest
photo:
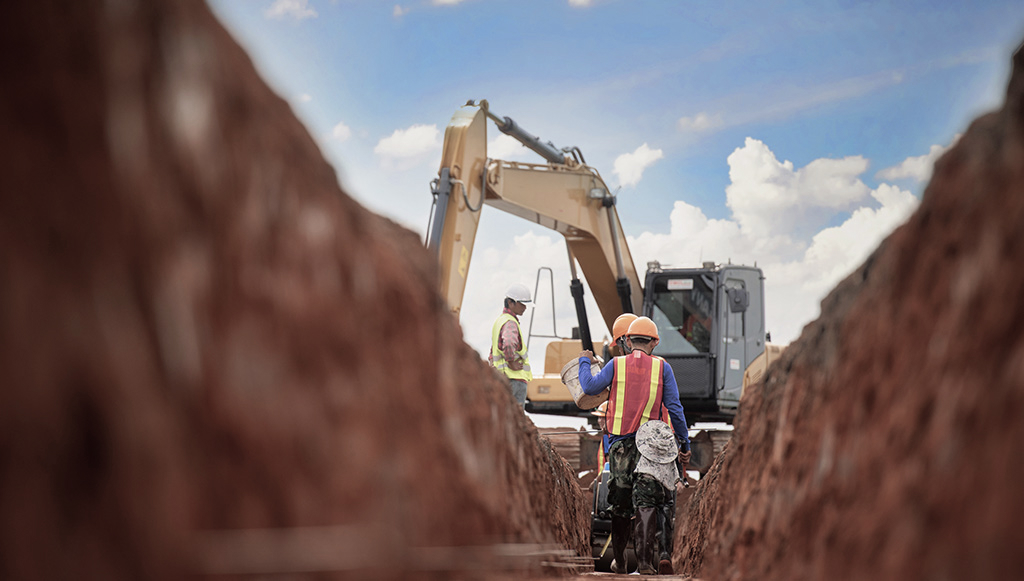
[636, 392]
[498, 358]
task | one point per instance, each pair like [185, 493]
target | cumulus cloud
[835, 252]
[917, 168]
[447, 2]
[772, 198]
[296, 9]
[341, 132]
[305, 98]
[801, 265]
[700, 123]
[580, 3]
[405, 148]
[508, 148]
[630, 166]
[399, 11]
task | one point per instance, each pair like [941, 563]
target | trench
[217, 364]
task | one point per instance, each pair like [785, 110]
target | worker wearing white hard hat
[508, 350]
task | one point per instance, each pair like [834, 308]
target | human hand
[684, 457]
[588, 354]
[515, 365]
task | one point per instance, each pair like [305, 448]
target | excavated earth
[215, 362]
[888, 441]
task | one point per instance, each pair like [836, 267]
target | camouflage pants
[628, 490]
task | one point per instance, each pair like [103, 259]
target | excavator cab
[711, 323]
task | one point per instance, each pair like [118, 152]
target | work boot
[665, 538]
[644, 538]
[620, 538]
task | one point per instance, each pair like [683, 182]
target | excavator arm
[564, 195]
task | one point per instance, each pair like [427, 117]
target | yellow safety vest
[498, 359]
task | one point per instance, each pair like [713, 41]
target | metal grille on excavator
[693, 375]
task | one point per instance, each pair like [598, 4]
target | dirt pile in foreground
[887, 443]
[212, 359]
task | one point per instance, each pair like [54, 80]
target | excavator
[710, 318]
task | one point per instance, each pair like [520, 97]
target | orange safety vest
[636, 392]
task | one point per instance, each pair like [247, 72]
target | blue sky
[793, 134]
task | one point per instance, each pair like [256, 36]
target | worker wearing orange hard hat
[642, 388]
[619, 328]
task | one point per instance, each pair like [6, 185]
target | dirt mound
[212, 359]
[887, 442]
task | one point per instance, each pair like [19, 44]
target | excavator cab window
[683, 310]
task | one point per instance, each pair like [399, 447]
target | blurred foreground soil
[213, 360]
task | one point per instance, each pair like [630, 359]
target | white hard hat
[519, 293]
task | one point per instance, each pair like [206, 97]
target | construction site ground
[185, 393]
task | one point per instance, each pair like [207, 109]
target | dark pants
[628, 491]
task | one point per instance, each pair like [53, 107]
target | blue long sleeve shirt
[595, 384]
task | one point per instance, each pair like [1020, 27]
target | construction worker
[642, 388]
[657, 472]
[508, 350]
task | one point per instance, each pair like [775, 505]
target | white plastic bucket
[570, 377]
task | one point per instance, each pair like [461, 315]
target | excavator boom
[564, 195]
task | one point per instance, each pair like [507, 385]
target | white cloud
[447, 2]
[399, 11]
[784, 102]
[297, 9]
[801, 265]
[508, 148]
[917, 168]
[835, 252]
[700, 123]
[341, 132]
[305, 98]
[580, 3]
[771, 198]
[630, 166]
[405, 148]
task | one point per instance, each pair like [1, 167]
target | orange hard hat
[601, 411]
[621, 325]
[643, 327]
